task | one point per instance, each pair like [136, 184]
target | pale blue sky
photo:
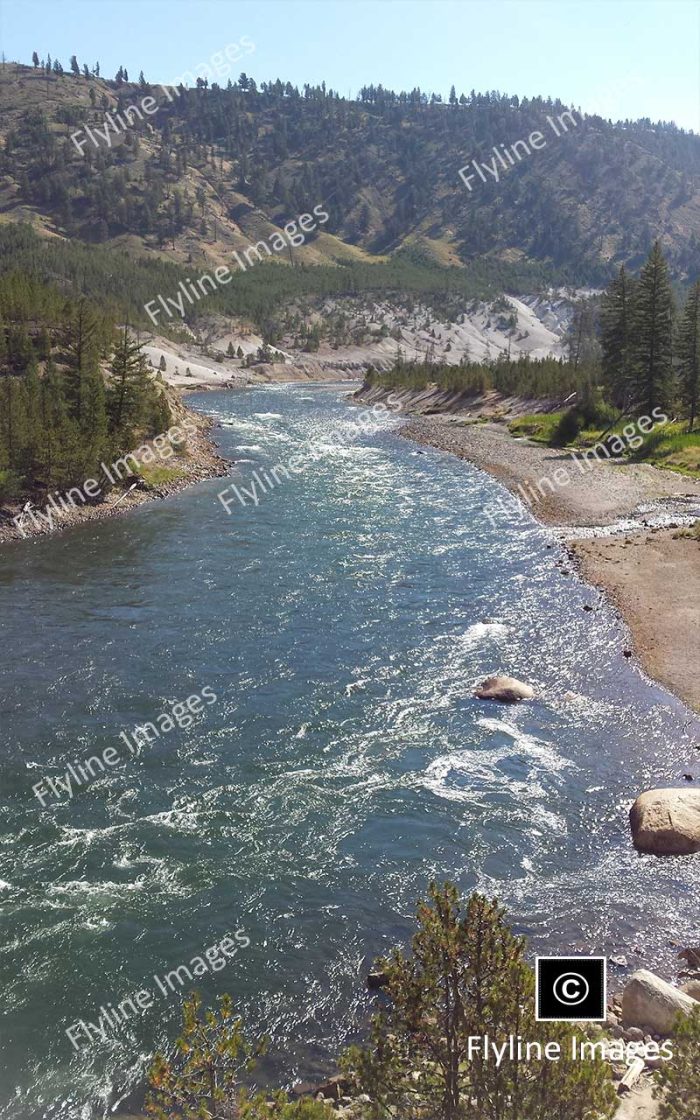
[636, 58]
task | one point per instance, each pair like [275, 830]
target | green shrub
[467, 977]
[538, 426]
[669, 445]
[568, 428]
[201, 1080]
[679, 1079]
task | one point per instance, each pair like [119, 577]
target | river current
[342, 623]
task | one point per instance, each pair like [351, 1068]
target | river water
[342, 624]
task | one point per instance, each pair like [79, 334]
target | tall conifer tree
[689, 354]
[616, 335]
[652, 340]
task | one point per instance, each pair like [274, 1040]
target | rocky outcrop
[666, 822]
[652, 1004]
[507, 690]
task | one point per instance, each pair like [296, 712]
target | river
[342, 624]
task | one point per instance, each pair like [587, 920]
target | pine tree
[230, 353]
[652, 334]
[11, 422]
[74, 66]
[129, 385]
[689, 354]
[31, 410]
[467, 977]
[58, 453]
[94, 426]
[81, 342]
[35, 60]
[616, 335]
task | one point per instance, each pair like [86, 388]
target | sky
[620, 58]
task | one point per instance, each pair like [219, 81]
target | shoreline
[201, 461]
[631, 545]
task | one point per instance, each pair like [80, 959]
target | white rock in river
[649, 1002]
[666, 822]
[506, 689]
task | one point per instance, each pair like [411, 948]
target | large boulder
[666, 822]
[652, 1004]
[507, 690]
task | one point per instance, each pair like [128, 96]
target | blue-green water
[342, 624]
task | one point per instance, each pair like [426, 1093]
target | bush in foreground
[467, 977]
[679, 1087]
[201, 1080]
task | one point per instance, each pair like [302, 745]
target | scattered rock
[692, 989]
[634, 1034]
[691, 956]
[666, 821]
[507, 690]
[627, 653]
[304, 1089]
[648, 1001]
[587, 607]
[334, 1088]
[377, 980]
[688, 777]
[655, 1063]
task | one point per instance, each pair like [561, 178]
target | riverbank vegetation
[74, 390]
[465, 978]
[633, 354]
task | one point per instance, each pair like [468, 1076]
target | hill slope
[213, 170]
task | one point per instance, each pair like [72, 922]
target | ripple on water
[343, 623]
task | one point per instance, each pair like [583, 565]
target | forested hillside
[93, 231]
[214, 169]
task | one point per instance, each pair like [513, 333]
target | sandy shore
[654, 581]
[651, 574]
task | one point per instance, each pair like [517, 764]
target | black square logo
[570, 989]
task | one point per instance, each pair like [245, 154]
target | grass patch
[692, 532]
[538, 426]
[672, 447]
[160, 476]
